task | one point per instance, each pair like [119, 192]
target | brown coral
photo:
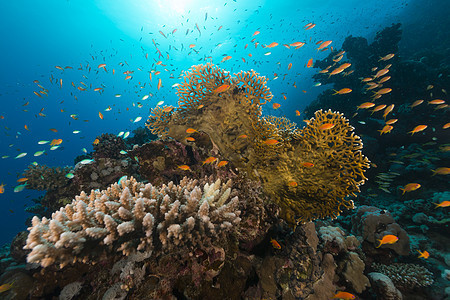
[269, 148]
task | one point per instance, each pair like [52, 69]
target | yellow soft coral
[309, 173]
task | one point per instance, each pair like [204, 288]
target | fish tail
[404, 191]
[379, 244]
[335, 92]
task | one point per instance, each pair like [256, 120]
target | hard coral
[109, 146]
[406, 276]
[132, 217]
[42, 177]
[269, 148]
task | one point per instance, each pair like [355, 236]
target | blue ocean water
[36, 36]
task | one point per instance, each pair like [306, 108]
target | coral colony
[217, 206]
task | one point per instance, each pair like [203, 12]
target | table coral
[309, 173]
[132, 217]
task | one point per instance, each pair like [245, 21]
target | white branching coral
[132, 216]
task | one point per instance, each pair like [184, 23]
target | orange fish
[159, 83]
[297, 113]
[53, 129]
[276, 105]
[384, 79]
[391, 121]
[418, 128]
[96, 141]
[100, 115]
[342, 91]
[310, 63]
[256, 33]
[243, 136]
[417, 102]
[309, 26]
[271, 142]
[101, 66]
[184, 167]
[324, 44]
[271, 45]
[275, 244]
[297, 44]
[387, 57]
[423, 254]
[383, 91]
[22, 179]
[379, 107]
[2, 188]
[436, 101]
[192, 46]
[289, 66]
[292, 184]
[366, 105]
[326, 126]
[388, 239]
[5, 287]
[388, 110]
[410, 187]
[445, 203]
[344, 295]
[381, 73]
[190, 139]
[209, 160]
[222, 163]
[167, 109]
[56, 142]
[191, 130]
[307, 164]
[441, 171]
[386, 129]
[221, 89]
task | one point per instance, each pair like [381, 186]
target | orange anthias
[184, 167]
[410, 187]
[388, 239]
[386, 129]
[221, 89]
[326, 126]
[209, 160]
[445, 203]
[271, 142]
[441, 171]
[342, 91]
[344, 295]
[190, 130]
[366, 105]
[275, 244]
[222, 163]
[423, 254]
[418, 128]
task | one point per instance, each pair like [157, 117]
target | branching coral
[134, 217]
[309, 173]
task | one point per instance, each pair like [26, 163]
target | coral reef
[42, 177]
[373, 223]
[108, 146]
[384, 287]
[406, 276]
[309, 173]
[129, 217]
